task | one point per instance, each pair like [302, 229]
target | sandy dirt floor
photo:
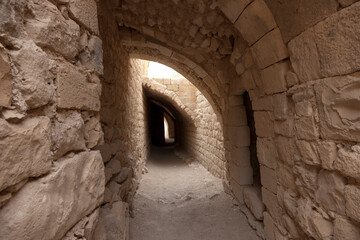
[180, 201]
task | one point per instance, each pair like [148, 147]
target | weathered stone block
[34, 78]
[252, 199]
[92, 56]
[65, 196]
[286, 149]
[269, 49]
[312, 222]
[241, 175]
[293, 17]
[263, 104]
[268, 178]
[85, 11]
[264, 124]
[345, 229]
[352, 199]
[281, 107]
[113, 222]
[50, 29]
[255, 21]
[273, 78]
[240, 156]
[304, 56]
[267, 152]
[68, 133]
[285, 128]
[348, 162]
[338, 101]
[304, 109]
[329, 48]
[74, 91]
[285, 176]
[306, 128]
[237, 116]
[309, 152]
[233, 8]
[327, 152]
[25, 150]
[5, 78]
[269, 226]
[330, 192]
[337, 41]
[239, 136]
[272, 205]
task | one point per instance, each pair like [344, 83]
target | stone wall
[51, 60]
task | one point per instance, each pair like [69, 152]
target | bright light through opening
[157, 70]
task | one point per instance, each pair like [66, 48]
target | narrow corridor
[183, 201]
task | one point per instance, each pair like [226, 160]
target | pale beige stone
[93, 132]
[12, 115]
[336, 39]
[330, 192]
[291, 78]
[304, 109]
[5, 78]
[286, 149]
[67, 133]
[348, 162]
[312, 222]
[338, 107]
[233, 8]
[306, 179]
[34, 78]
[327, 152]
[285, 128]
[268, 178]
[85, 11]
[240, 156]
[25, 150]
[285, 176]
[74, 91]
[50, 29]
[264, 124]
[113, 222]
[269, 49]
[352, 199]
[281, 107]
[263, 104]
[239, 136]
[92, 56]
[304, 56]
[266, 151]
[74, 189]
[237, 116]
[269, 226]
[345, 229]
[294, 17]
[306, 128]
[309, 152]
[252, 199]
[273, 78]
[255, 21]
[241, 175]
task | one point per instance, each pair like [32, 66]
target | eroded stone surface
[25, 150]
[49, 29]
[74, 189]
[85, 11]
[5, 78]
[67, 133]
[75, 91]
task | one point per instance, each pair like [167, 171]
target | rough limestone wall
[206, 140]
[183, 88]
[126, 141]
[50, 62]
[306, 117]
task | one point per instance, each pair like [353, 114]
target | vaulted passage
[265, 104]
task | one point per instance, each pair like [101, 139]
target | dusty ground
[179, 201]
